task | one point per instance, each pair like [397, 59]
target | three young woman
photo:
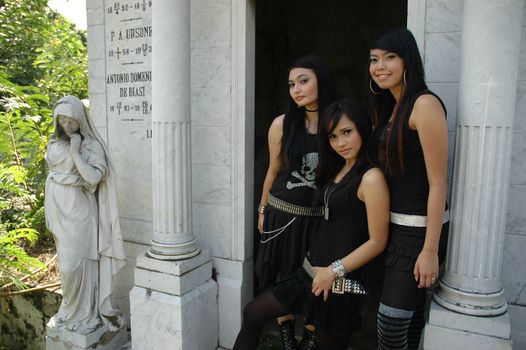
[411, 129]
[354, 230]
[287, 216]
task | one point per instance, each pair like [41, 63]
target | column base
[166, 321]
[180, 251]
[450, 330]
[173, 304]
[173, 277]
[99, 339]
[488, 304]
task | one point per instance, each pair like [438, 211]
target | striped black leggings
[401, 313]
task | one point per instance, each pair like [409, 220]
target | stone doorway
[338, 31]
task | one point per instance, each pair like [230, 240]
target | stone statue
[81, 212]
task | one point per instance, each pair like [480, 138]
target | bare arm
[429, 120]
[90, 174]
[374, 193]
[275, 134]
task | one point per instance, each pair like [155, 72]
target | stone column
[174, 302]
[471, 286]
[171, 148]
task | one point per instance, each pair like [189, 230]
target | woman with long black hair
[411, 131]
[327, 289]
[287, 216]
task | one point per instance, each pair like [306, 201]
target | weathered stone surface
[23, 319]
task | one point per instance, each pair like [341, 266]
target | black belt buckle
[338, 286]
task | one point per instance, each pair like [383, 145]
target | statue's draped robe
[82, 218]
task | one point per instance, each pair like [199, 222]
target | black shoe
[309, 340]
[286, 329]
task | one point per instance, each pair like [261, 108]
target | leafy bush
[43, 58]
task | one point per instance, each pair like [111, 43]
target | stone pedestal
[472, 312]
[100, 339]
[451, 330]
[174, 304]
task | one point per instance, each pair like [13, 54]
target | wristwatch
[338, 269]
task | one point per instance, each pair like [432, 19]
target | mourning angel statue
[81, 212]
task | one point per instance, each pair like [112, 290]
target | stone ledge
[100, 339]
[173, 267]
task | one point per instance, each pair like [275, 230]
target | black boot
[309, 340]
[286, 329]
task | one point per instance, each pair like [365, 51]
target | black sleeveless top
[297, 185]
[346, 229]
[409, 189]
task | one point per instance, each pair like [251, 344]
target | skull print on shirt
[307, 173]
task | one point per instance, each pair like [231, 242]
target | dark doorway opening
[338, 31]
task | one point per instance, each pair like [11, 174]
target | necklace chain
[326, 197]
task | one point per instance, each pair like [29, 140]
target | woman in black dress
[411, 131]
[287, 217]
[326, 290]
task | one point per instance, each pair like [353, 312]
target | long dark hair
[294, 131]
[402, 42]
[330, 162]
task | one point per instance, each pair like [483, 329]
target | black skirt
[406, 243]
[282, 252]
[338, 316]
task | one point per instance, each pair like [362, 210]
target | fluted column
[488, 80]
[173, 238]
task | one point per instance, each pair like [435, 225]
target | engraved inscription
[128, 61]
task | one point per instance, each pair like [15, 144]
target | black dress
[409, 190]
[344, 231]
[287, 238]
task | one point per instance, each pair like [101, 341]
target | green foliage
[23, 28]
[64, 61]
[13, 236]
[43, 58]
[25, 122]
[14, 259]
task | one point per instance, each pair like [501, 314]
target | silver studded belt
[340, 285]
[293, 208]
[413, 220]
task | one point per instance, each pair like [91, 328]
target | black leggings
[265, 308]
[401, 313]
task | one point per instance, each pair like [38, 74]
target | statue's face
[69, 125]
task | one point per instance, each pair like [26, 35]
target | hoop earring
[371, 87]
[405, 82]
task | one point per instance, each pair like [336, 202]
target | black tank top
[409, 189]
[297, 185]
[346, 229]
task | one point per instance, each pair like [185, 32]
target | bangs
[389, 40]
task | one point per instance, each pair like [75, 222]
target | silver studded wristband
[338, 268]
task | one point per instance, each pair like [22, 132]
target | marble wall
[443, 25]
[222, 149]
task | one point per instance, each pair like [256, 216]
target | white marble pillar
[174, 302]
[471, 285]
[171, 149]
